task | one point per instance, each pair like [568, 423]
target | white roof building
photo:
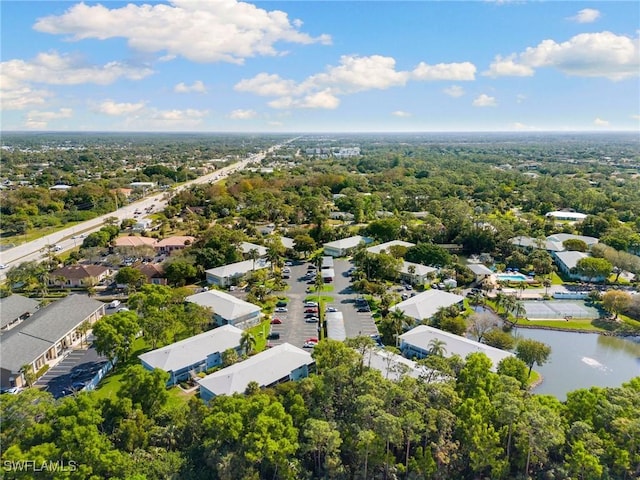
[340, 248]
[276, 365]
[227, 274]
[417, 343]
[420, 272]
[479, 270]
[227, 309]
[561, 215]
[246, 248]
[394, 366]
[384, 247]
[425, 305]
[193, 354]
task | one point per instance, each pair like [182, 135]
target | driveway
[295, 330]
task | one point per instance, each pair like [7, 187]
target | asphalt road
[65, 238]
[295, 330]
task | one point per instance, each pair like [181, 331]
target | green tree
[428, 254]
[247, 342]
[499, 339]
[304, 244]
[129, 276]
[592, 268]
[532, 351]
[180, 271]
[145, 388]
[322, 441]
[115, 335]
[615, 301]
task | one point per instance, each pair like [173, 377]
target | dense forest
[345, 422]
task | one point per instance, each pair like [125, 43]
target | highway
[69, 238]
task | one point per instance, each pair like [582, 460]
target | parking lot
[72, 373]
[295, 330]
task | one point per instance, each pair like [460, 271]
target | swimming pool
[511, 277]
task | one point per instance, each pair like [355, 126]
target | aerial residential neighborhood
[320, 240]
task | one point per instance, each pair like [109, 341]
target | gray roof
[392, 365]
[224, 305]
[31, 338]
[570, 259]
[264, 368]
[425, 305]
[194, 349]
[246, 248]
[420, 270]
[479, 269]
[14, 306]
[238, 268]
[346, 243]
[421, 336]
[562, 237]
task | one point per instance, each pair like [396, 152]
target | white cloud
[197, 87]
[445, 71]
[39, 120]
[353, 74]
[401, 113]
[454, 91]
[109, 107]
[586, 15]
[520, 98]
[484, 100]
[598, 122]
[602, 54]
[203, 31]
[240, 114]
[501, 67]
[17, 77]
[635, 117]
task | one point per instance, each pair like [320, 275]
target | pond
[583, 360]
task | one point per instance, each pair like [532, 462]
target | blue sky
[332, 66]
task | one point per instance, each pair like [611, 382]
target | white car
[311, 319]
[310, 304]
[282, 309]
[2, 266]
[309, 345]
[332, 309]
[288, 264]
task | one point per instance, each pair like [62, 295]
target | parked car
[364, 309]
[114, 304]
[308, 344]
[312, 339]
[332, 309]
[312, 320]
[282, 309]
[273, 336]
[311, 310]
[288, 264]
[310, 304]
[286, 270]
[2, 266]
[311, 314]
[276, 321]
[281, 303]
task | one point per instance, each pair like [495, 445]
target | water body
[583, 360]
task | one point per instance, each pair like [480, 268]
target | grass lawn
[110, 385]
[534, 378]
[260, 333]
[555, 279]
[585, 324]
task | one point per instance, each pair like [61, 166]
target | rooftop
[264, 368]
[224, 305]
[425, 305]
[384, 247]
[14, 306]
[238, 268]
[191, 350]
[79, 271]
[422, 335]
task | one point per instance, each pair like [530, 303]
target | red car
[276, 321]
[311, 340]
[311, 310]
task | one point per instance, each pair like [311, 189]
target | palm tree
[247, 342]
[254, 255]
[399, 320]
[547, 283]
[436, 347]
[83, 329]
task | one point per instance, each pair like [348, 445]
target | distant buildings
[565, 215]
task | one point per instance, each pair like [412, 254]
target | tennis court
[559, 310]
